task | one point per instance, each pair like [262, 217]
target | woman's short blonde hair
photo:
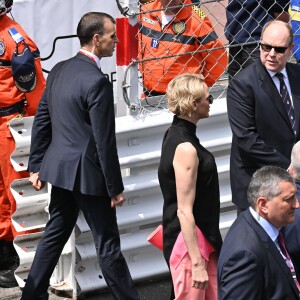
[182, 91]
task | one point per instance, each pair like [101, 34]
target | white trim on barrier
[31, 206]
[20, 129]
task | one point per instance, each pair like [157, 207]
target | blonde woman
[189, 182]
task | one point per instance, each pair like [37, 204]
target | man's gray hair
[265, 183]
[295, 159]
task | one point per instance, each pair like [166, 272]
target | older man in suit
[253, 262]
[292, 231]
[74, 148]
[264, 110]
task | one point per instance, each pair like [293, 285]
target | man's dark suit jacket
[262, 133]
[250, 266]
[73, 135]
[292, 236]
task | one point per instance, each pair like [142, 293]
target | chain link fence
[214, 38]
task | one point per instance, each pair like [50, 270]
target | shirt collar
[91, 54]
[269, 228]
[184, 12]
[272, 74]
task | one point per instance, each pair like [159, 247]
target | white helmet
[5, 6]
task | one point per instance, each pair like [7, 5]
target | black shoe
[8, 280]
[8, 256]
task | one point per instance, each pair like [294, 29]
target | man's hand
[118, 200]
[36, 182]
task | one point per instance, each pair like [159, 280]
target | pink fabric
[179, 250]
[183, 281]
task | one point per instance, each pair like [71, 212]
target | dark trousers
[64, 208]
[240, 57]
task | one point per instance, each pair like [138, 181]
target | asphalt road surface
[158, 289]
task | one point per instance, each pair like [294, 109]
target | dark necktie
[287, 258]
[287, 101]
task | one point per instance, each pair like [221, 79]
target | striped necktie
[286, 257]
[287, 101]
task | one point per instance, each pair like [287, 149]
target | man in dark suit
[74, 148]
[292, 231]
[252, 265]
[264, 131]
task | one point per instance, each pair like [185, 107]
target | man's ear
[291, 170]
[96, 39]
[262, 205]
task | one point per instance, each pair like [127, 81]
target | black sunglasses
[268, 48]
[210, 99]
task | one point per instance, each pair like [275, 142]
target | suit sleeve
[41, 135]
[101, 110]
[241, 113]
[240, 277]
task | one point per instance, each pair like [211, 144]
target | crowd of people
[77, 154]
[264, 115]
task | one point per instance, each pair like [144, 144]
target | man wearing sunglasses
[264, 110]
[244, 24]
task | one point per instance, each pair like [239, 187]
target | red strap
[89, 56]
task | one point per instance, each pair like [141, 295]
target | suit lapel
[293, 75]
[272, 93]
[270, 246]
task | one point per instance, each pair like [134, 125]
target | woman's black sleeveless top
[207, 199]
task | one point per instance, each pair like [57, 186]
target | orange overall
[187, 44]
[10, 95]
